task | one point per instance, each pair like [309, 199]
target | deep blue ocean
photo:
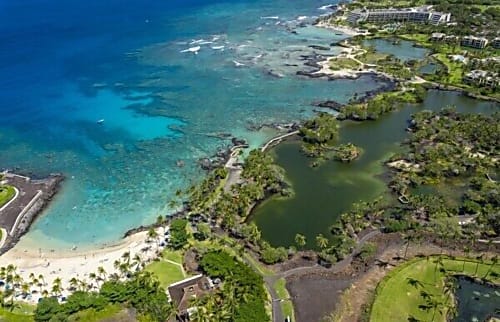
[167, 78]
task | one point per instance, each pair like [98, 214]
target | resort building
[474, 42]
[496, 43]
[482, 78]
[184, 292]
[417, 15]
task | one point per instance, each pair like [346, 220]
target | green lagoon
[322, 194]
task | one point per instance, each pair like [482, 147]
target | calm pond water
[322, 194]
[403, 49]
[476, 302]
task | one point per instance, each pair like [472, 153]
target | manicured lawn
[454, 69]
[6, 193]
[397, 300]
[421, 39]
[167, 273]
[174, 256]
[287, 305]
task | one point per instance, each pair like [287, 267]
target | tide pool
[66, 65]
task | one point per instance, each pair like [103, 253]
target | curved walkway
[3, 237]
[277, 139]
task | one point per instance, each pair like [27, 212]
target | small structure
[183, 292]
[496, 43]
[474, 42]
[437, 36]
[459, 58]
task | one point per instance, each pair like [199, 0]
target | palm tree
[73, 283]
[321, 241]
[35, 282]
[450, 287]
[412, 236]
[300, 240]
[494, 261]
[414, 282]
[25, 287]
[152, 234]
[440, 264]
[466, 251]
[479, 259]
[126, 257]
[45, 293]
[124, 269]
[56, 286]
[431, 302]
[32, 278]
[42, 279]
[102, 272]
[137, 262]
[93, 277]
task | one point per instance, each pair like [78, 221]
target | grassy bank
[6, 193]
[286, 303]
[406, 284]
[21, 312]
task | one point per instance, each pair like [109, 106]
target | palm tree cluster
[449, 146]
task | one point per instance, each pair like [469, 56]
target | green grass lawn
[286, 306]
[397, 300]
[421, 39]
[372, 57]
[454, 69]
[167, 273]
[343, 63]
[174, 256]
[91, 315]
[6, 193]
[21, 313]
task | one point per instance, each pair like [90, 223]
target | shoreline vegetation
[212, 232]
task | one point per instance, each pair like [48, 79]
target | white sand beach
[68, 264]
[343, 29]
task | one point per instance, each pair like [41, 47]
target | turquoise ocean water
[137, 66]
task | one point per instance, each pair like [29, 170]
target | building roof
[184, 291]
[437, 35]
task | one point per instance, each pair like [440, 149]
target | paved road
[337, 267]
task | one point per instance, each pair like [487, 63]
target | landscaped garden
[422, 289]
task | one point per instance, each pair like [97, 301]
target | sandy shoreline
[68, 264]
[343, 29]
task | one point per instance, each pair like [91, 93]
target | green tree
[321, 241]
[300, 240]
[178, 233]
[494, 261]
[46, 309]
